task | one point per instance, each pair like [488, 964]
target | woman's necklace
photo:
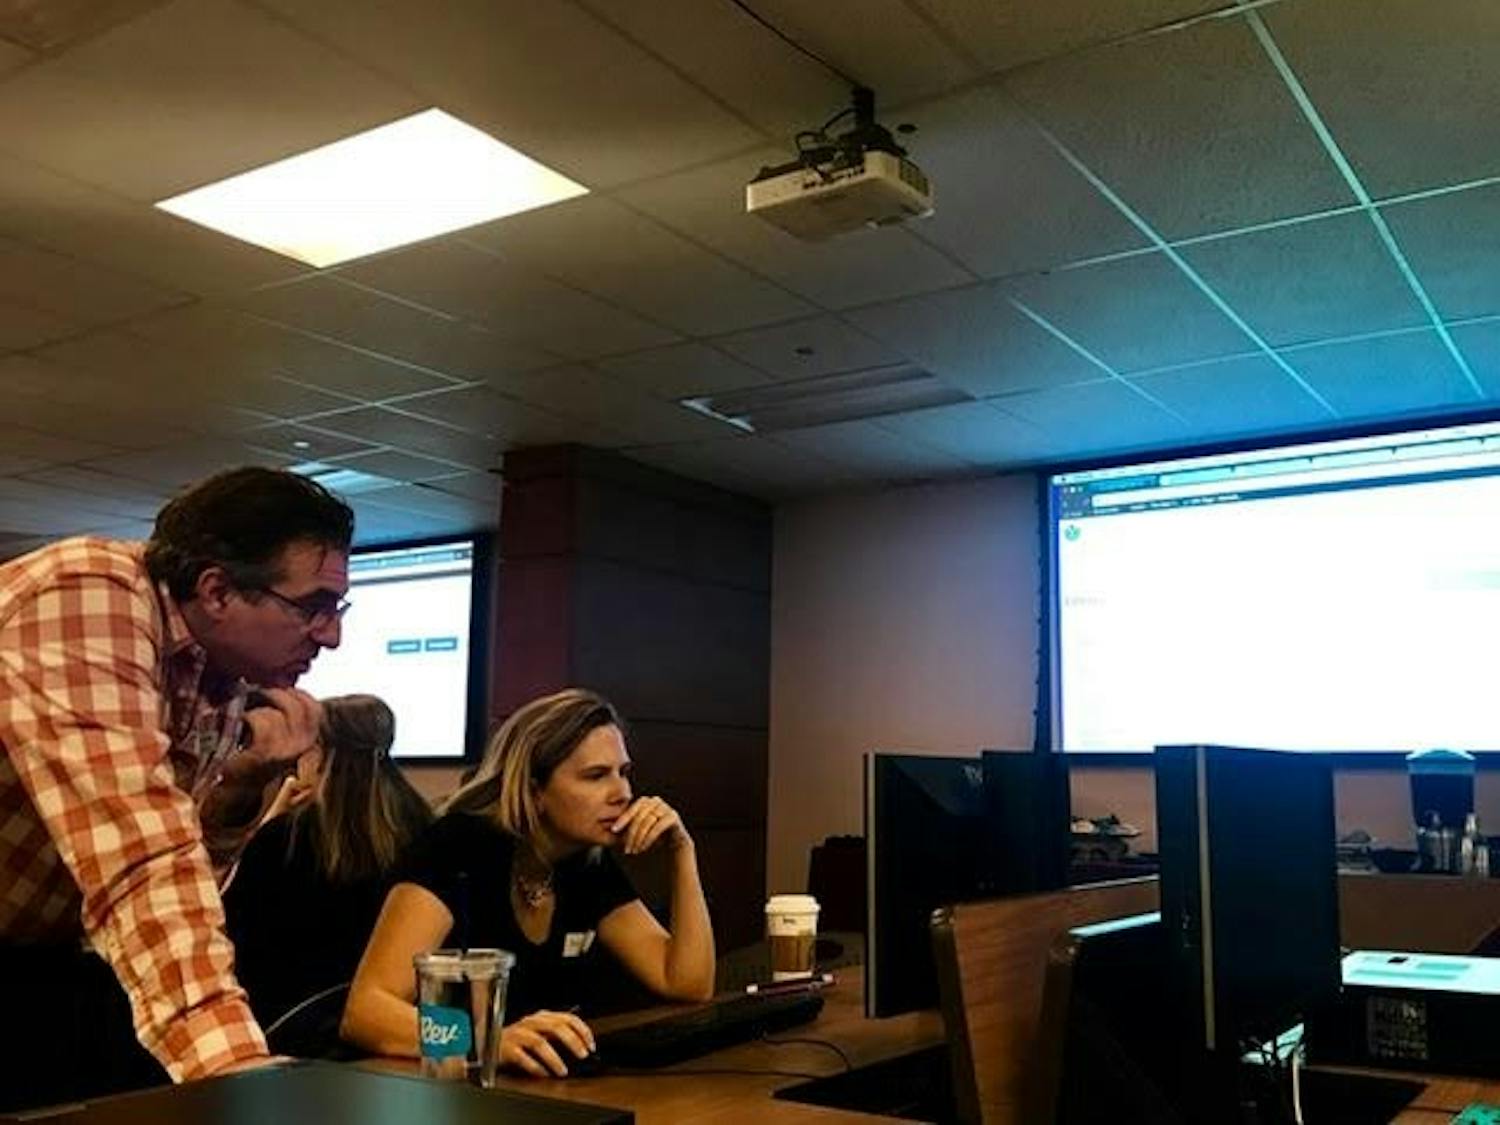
[533, 891]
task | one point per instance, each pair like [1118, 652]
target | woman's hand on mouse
[532, 1043]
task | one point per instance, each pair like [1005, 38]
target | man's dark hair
[242, 519]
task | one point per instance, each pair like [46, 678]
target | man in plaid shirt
[125, 748]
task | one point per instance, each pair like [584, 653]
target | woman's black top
[465, 860]
[295, 931]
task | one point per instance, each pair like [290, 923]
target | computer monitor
[1249, 889]
[1111, 1047]
[942, 830]
[415, 635]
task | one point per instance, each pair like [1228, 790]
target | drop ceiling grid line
[1047, 326]
[1172, 255]
[498, 256]
[542, 409]
[358, 349]
[924, 443]
[944, 35]
[651, 53]
[1346, 170]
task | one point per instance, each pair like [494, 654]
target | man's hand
[287, 729]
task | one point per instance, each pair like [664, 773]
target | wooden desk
[1444, 1097]
[676, 1094]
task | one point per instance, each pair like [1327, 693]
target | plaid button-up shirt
[104, 737]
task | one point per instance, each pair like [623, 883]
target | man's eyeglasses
[315, 612]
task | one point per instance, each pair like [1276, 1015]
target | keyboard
[686, 1035]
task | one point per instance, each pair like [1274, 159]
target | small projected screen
[406, 639]
[1338, 595]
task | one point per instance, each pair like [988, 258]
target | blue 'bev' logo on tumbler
[445, 1032]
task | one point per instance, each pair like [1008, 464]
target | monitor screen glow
[1336, 596]
[406, 638]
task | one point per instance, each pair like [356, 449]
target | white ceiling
[1159, 223]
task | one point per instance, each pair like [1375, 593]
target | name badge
[577, 944]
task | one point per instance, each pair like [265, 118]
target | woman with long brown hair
[307, 890]
[522, 860]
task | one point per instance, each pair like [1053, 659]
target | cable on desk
[834, 1047]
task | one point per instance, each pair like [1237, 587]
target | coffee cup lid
[791, 904]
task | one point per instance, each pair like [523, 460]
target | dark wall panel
[664, 647]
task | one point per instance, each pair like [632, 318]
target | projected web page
[1333, 596]
[406, 639]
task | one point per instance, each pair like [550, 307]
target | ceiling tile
[13, 57]
[1480, 345]
[392, 329]
[749, 465]
[111, 367]
[883, 43]
[1239, 395]
[976, 432]
[198, 90]
[1405, 87]
[224, 340]
[708, 205]
[482, 487]
[139, 496]
[475, 285]
[78, 291]
[1173, 122]
[14, 464]
[612, 407]
[502, 418]
[681, 370]
[305, 443]
[50, 25]
[84, 504]
[1309, 281]
[800, 349]
[1384, 374]
[872, 451]
[1133, 313]
[743, 63]
[375, 525]
[23, 327]
[381, 426]
[430, 502]
[107, 424]
[1003, 36]
[599, 246]
[45, 209]
[51, 449]
[1005, 201]
[178, 466]
[394, 465]
[1095, 417]
[973, 338]
[549, 79]
[1453, 242]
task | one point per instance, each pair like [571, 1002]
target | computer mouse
[586, 1067]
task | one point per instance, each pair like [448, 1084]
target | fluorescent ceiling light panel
[424, 175]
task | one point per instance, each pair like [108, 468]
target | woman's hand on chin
[647, 821]
[540, 1043]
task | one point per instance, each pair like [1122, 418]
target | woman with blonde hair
[521, 860]
[307, 889]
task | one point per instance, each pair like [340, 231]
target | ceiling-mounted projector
[858, 179]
